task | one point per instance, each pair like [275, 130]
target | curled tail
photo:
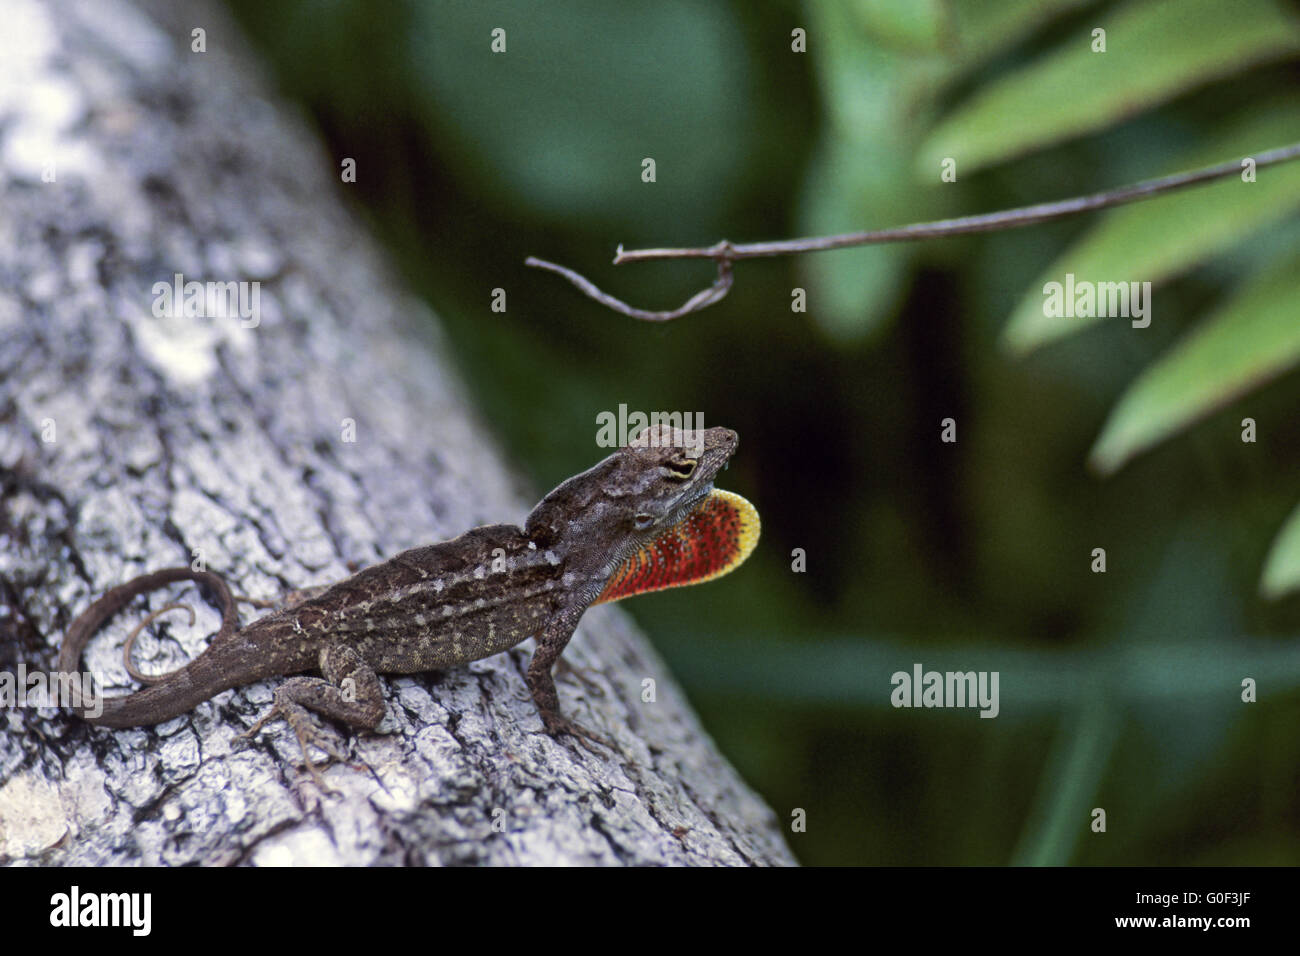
[176, 692]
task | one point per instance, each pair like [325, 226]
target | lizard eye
[643, 522]
[682, 468]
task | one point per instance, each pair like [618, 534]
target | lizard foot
[558, 726]
[349, 693]
[309, 733]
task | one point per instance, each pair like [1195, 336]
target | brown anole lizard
[645, 518]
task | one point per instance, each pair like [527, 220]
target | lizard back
[425, 609]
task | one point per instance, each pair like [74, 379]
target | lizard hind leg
[349, 692]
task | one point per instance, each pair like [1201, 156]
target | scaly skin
[445, 604]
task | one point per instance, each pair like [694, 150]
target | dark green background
[1118, 690]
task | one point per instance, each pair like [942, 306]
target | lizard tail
[144, 706]
[129, 646]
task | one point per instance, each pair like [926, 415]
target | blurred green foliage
[1118, 690]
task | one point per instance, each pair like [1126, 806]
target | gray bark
[131, 442]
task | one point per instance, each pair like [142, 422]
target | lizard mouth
[715, 459]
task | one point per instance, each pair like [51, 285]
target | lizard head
[654, 482]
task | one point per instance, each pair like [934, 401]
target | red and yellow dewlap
[715, 538]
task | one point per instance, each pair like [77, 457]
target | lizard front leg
[350, 692]
[550, 645]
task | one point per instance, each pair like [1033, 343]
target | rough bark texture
[128, 442]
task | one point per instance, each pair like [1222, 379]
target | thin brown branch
[701, 299]
[724, 253]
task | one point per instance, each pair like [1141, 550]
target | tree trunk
[322, 432]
